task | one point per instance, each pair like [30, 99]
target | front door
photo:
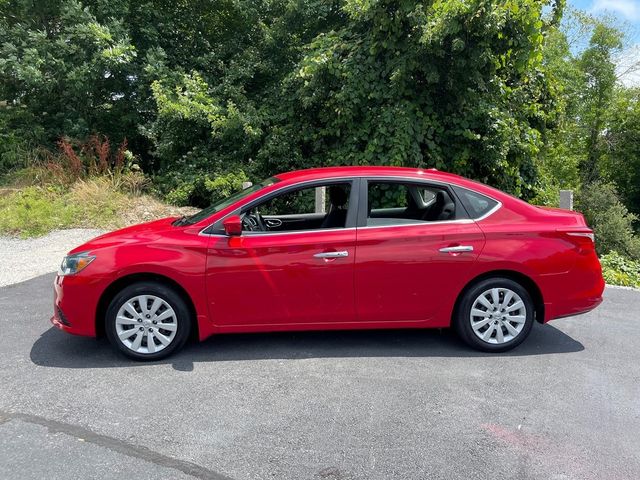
[293, 264]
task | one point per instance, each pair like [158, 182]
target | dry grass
[95, 202]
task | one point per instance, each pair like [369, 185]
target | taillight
[584, 238]
[589, 235]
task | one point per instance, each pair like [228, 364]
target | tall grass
[81, 184]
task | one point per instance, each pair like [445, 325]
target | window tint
[476, 203]
[224, 203]
[397, 203]
[310, 208]
[388, 195]
[297, 202]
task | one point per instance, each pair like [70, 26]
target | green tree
[563, 142]
[600, 77]
[622, 143]
[447, 84]
[65, 72]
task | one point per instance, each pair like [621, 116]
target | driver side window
[307, 208]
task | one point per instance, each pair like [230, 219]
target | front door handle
[457, 249]
[341, 254]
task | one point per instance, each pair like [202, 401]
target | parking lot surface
[342, 405]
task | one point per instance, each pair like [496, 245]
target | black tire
[183, 318]
[462, 320]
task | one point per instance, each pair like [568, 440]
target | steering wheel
[260, 221]
[249, 223]
[253, 222]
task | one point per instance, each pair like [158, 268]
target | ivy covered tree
[454, 85]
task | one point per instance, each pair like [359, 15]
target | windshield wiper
[183, 220]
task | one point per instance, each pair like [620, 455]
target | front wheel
[495, 315]
[147, 321]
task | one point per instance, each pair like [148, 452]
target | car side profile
[335, 248]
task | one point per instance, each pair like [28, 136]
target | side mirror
[233, 226]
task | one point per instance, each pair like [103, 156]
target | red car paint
[393, 277]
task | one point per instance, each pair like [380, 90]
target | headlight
[72, 264]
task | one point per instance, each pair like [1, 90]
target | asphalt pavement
[341, 405]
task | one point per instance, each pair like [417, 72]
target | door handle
[341, 254]
[457, 249]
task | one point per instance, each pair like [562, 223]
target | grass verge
[98, 202]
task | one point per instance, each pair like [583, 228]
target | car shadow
[58, 349]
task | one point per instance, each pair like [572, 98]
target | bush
[202, 190]
[618, 270]
[609, 218]
[84, 184]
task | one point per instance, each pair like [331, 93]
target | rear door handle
[457, 249]
[341, 254]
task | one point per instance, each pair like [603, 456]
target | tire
[483, 327]
[157, 317]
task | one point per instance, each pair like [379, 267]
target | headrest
[338, 195]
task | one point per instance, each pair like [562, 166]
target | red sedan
[335, 248]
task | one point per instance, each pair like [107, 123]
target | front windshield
[216, 207]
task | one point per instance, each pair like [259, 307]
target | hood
[141, 233]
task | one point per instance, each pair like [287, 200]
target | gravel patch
[23, 259]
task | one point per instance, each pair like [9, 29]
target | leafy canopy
[269, 85]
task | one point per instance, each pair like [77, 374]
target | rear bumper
[576, 308]
[575, 292]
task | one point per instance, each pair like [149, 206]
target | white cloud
[629, 9]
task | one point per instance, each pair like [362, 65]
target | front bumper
[75, 301]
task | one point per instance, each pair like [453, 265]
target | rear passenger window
[398, 203]
[477, 204]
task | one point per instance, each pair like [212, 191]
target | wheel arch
[117, 285]
[526, 281]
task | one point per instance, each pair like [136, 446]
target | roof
[330, 172]
[379, 171]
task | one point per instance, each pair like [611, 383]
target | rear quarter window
[476, 203]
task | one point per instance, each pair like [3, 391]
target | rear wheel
[495, 315]
[147, 321]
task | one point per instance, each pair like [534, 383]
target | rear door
[415, 245]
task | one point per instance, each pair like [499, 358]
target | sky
[628, 12]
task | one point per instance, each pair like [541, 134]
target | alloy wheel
[146, 324]
[498, 316]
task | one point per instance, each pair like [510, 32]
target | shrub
[611, 221]
[92, 156]
[203, 190]
[75, 161]
[618, 270]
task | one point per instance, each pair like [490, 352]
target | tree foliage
[610, 219]
[210, 93]
[622, 146]
[447, 84]
[269, 85]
